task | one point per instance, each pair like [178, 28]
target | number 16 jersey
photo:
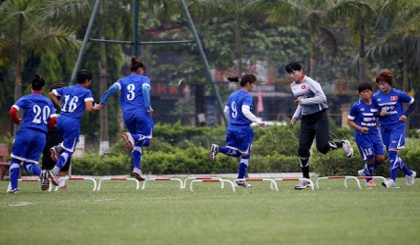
[73, 100]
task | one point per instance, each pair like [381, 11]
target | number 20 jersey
[73, 100]
[37, 111]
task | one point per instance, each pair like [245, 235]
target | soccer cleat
[370, 183]
[128, 140]
[14, 191]
[45, 182]
[63, 187]
[214, 149]
[55, 152]
[304, 183]
[347, 148]
[241, 183]
[409, 179]
[389, 184]
[55, 179]
[138, 175]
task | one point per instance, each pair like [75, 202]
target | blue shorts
[69, 128]
[28, 145]
[370, 145]
[393, 135]
[139, 122]
[239, 137]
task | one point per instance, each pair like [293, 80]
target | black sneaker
[14, 191]
[45, 182]
[241, 183]
[304, 183]
[214, 149]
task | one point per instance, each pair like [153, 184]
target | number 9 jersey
[37, 112]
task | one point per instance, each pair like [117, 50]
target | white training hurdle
[77, 178]
[118, 179]
[203, 178]
[211, 181]
[273, 184]
[346, 178]
[372, 177]
[162, 179]
[296, 179]
[31, 180]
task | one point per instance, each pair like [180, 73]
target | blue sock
[32, 168]
[140, 139]
[137, 153]
[243, 166]
[14, 171]
[368, 170]
[394, 164]
[229, 151]
[64, 157]
[404, 167]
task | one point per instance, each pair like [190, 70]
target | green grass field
[163, 214]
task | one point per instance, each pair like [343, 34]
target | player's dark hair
[83, 75]
[363, 86]
[386, 76]
[37, 82]
[247, 78]
[136, 64]
[293, 66]
[56, 86]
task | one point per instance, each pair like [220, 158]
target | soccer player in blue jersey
[39, 115]
[366, 134]
[74, 101]
[389, 103]
[312, 110]
[239, 134]
[137, 111]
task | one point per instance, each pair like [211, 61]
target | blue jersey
[392, 103]
[362, 114]
[73, 100]
[37, 111]
[235, 103]
[132, 92]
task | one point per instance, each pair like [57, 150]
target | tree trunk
[199, 105]
[362, 64]
[103, 116]
[238, 40]
[18, 85]
[312, 68]
[405, 88]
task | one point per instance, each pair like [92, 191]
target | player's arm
[13, 114]
[111, 90]
[91, 106]
[145, 89]
[411, 107]
[226, 111]
[296, 116]
[54, 97]
[319, 96]
[246, 110]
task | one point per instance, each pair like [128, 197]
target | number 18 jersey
[73, 100]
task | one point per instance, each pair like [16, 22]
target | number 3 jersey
[362, 114]
[73, 100]
[37, 111]
[132, 92]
